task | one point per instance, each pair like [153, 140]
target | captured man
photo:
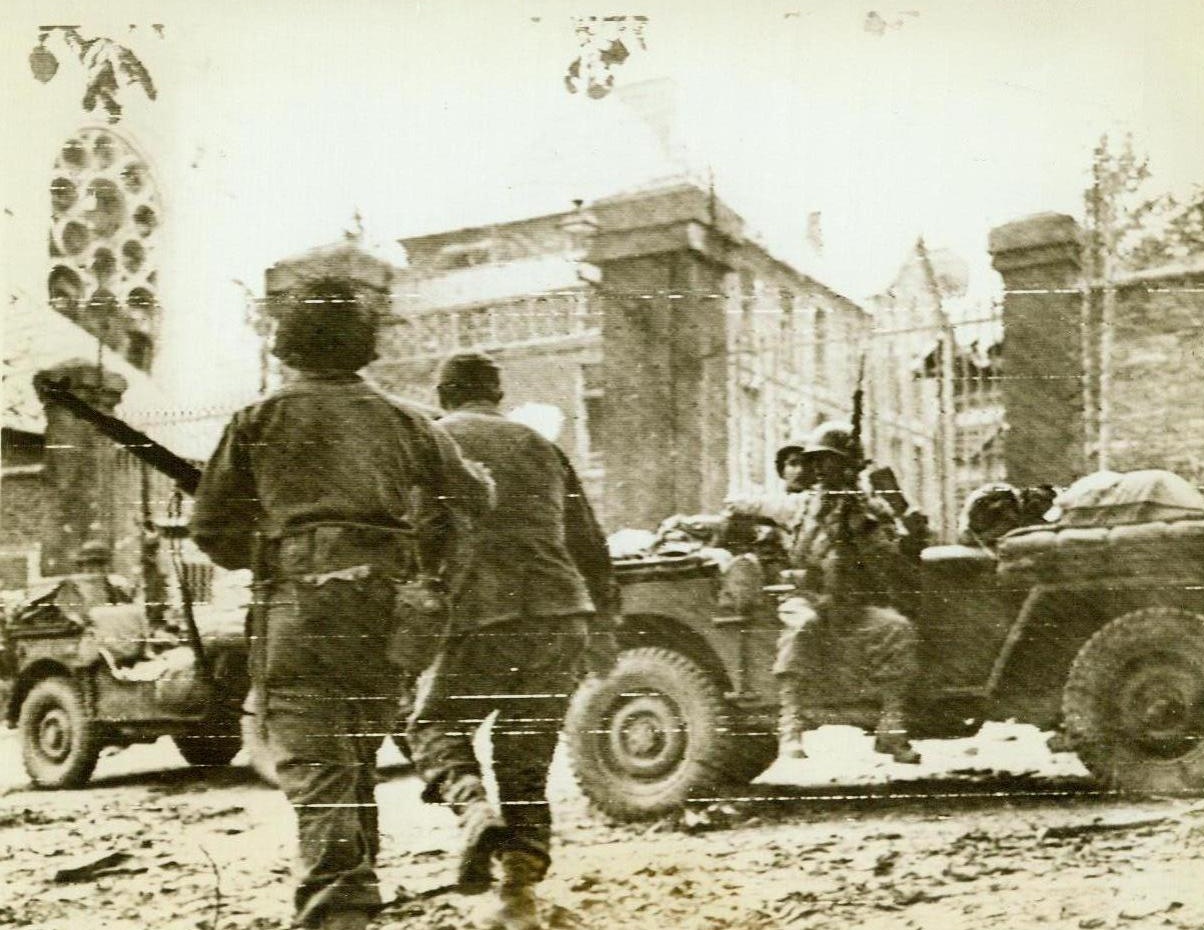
[535, 606]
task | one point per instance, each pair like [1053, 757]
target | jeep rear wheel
[60, 743]
[1134, 702]
[654, 733]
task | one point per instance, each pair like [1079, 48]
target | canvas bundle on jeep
[1113, 524]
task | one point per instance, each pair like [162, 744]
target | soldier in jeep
[843, 621]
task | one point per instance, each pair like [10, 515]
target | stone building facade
[679, 353]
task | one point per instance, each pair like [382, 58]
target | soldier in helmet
[785, 509]
[845, 558]
[989, 512]
[333, 493]
[993, 510]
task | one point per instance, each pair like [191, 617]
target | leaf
[135, 72]
[92, 868]
[614, 54]
[76, 42]
[103, 85]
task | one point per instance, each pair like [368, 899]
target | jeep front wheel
[1133, 705]
[652, 734]
[59, 742]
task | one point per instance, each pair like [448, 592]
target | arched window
[104, 225]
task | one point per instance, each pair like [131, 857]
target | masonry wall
[1156, 414]
[24, 505]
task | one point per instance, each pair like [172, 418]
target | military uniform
[844, 637]
[333, 492]
[522, 619]
[847, 550]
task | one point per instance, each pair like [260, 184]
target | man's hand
[601, 653]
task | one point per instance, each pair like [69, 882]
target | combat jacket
[331, 448]
[847, 548]
[533, 547]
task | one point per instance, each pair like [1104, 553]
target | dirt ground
[823, 843]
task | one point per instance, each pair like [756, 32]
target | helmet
[793, 445]
[326, 325]
[833, 437]
[989, 512]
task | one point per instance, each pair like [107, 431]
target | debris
[957, 875]
[885, 863]
[1067, 831]
[93, 868]
[585, 882]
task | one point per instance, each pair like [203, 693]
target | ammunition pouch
[361, 581]
[422, 619]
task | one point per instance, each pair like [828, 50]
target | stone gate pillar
[661, 287]
[1043, 386]
[80, 466]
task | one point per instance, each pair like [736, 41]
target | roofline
[482, 227]
[748, 241]
[1190, 267]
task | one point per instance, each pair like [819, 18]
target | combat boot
[890, 737]
[792, 722]
[481, 830]
[344, 920]
[516, 905]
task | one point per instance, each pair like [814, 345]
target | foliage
[603, 50]
[108, 67]
[1129, 226]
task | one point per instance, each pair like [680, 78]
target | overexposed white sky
[434, 115]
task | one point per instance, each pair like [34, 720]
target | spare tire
[656, 732]
[1133, 704]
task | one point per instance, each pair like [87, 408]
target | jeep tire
[60, 743]
[657, 732]
[1133, 704]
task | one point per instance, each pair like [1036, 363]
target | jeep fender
[1054, 623]
[29, 676]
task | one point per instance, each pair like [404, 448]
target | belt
[336, 546]
[393, 528]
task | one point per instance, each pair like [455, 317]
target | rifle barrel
[186, 475]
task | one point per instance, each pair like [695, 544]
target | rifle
[858, 414]
[185, 474]
[856, 455]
